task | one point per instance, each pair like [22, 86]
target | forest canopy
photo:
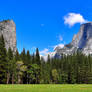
[26, 68]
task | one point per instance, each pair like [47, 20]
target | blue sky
[40, 23]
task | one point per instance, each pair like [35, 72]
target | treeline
[25, 68]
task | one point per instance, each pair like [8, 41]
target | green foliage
[32, 69]
[37, 57]
[20, 69]
[33, 74]
[55, 76]
[3, 61]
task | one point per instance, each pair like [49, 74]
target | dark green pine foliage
[38, 62]
[37, 57]
[10, 54]
[3, 61]
[48, 59]
[70, 69]
[28, 64]
[14, 67]
[9, 65]
[23, 56]
[17, 56]
[33, 58]
[28, 58]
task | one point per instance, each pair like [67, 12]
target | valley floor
[46, 88]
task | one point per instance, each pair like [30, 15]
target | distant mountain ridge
[82, 41]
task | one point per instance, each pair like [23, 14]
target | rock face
[81, 41]
[8, 30]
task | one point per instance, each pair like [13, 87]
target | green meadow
[46, 88]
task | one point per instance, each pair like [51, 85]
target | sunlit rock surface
[8, 30]
[81, 41]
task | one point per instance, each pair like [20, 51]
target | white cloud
[44, 52]
[59, 46]
[51, 54]
[60, 38]
[45, 57]
[73, 18]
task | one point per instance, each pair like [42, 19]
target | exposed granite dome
[82, 40]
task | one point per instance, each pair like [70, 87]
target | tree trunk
[27, 79]
[12, 78]
[8, 77]
[19, 79]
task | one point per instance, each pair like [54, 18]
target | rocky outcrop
[81, 41]
[8, 30]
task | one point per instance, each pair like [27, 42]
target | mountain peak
[82, 40]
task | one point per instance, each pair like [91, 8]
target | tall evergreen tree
[9, 64]
[23, 56]
[38, 57]
[38, 62]
[17, 56]
[3, 61]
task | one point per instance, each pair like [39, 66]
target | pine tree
[38, 57]
[28, 58]
[28, 64]
[9, 64]
[3, 61]
[38, 62]
[17, 56]
[23, 56]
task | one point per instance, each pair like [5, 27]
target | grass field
[46, 88]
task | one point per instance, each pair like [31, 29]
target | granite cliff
[81, 41]
[8, 30]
